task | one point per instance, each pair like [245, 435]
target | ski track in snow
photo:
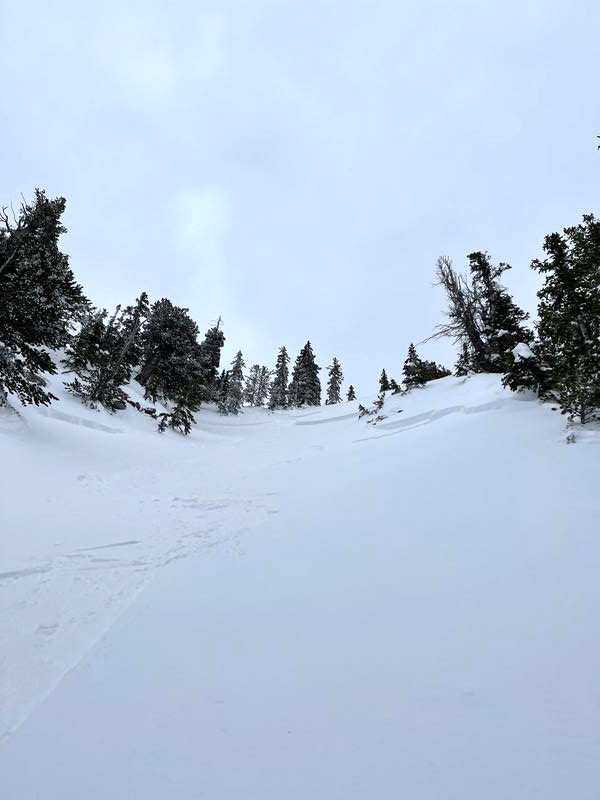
[57, 603]
[74, 589]
[111, 514]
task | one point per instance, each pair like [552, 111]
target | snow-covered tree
[222, 389]
[251, 385]
[256, 389]
[278, 394]
[334, 382]
[39, 298]
[171, 355]
[464, 362]
[413, 370]
[351, 393]
[379, 401]
[210, 361]
[394, 386]
[568, 351]
[262, 386]
[384, 384]
[110, 364]
[526, 371]
[179, 419]
[500, 319]
[232, 403]
[305, 387]
[86, 342]
[481, 313]
[433, 371]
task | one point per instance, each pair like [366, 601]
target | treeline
[44, 310]
[415, 372]
[559, 357]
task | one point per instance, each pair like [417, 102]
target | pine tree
[179, 419]
[109, 364]
[40, 300]
[413, 370]
[84, 345]
[133, 320]
[568, 352]
[251, 385]
[394, 388]
[481, 313]
[334, 383]
[432, 371]
[262, 386]
[464, 362]
[210, 361]
[292, 394]
[527, 372]
[171, 356]
[351, 393]
[222, 390]
[500, 319]
[384, 384]
[278, 395]
[235, 387]
[305, 387]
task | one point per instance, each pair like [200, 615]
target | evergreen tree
[210, 361]
[464, 362]
[292, 394]
[262, 387]
[433, 371]
[413, 370]
[171, 356]
[481, 313]
[278, 396]
[40, 299]
[179, 419]
[251, 385]
[235, 387]
[394, 386]
[222, 390]
[133, 320]
[305, 388]
[500, 319]
[84, 345]
[568, 352]
[334, 383]
[384, 384]
[527, 371]
[364, 412]
[351, 393]
[110, 363]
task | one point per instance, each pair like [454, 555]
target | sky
[297, 167]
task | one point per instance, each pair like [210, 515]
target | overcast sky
[298, 166]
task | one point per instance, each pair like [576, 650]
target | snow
[522, 351]
[301, 604]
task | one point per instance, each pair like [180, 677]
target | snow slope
[301, 605]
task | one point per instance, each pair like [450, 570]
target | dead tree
[463, 314]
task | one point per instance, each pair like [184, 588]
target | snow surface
[522, 351]
[301, 605]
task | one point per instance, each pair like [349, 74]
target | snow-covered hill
[301, 605]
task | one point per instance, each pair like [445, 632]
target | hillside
[301, 604]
